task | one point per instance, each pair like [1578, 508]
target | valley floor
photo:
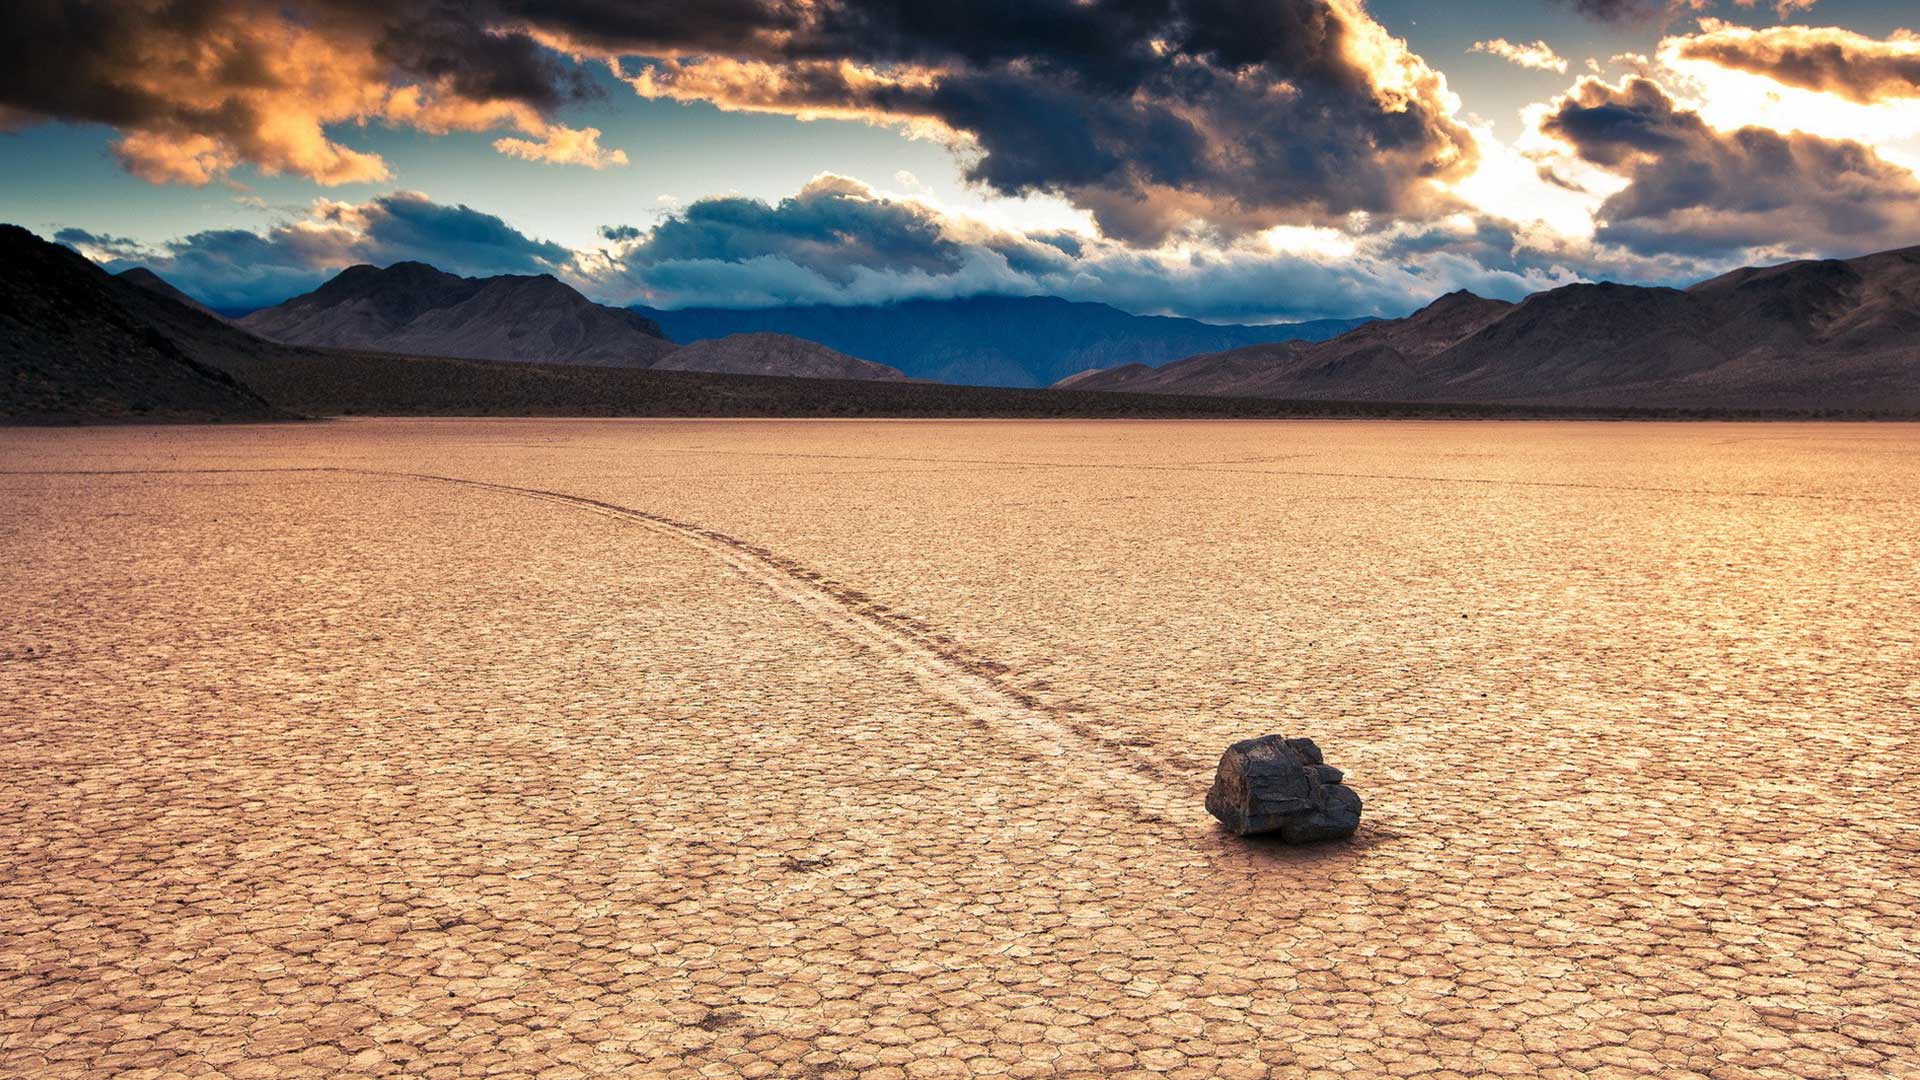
[576, 748]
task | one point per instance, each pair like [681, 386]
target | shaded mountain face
[78, 344]
[154, 283]
[1377, 361]
[1816, 334]
[990, 340]
[414, 308]
[772, 354]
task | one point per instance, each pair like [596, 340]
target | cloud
[1614, 11]
[1229, 116]
[1538, 56]
[1782, 8]
[1824, 59]
[564, 146]
[1626, 11]
[1692, 189]
[197, 88]
[104, 247]
[1224, 115]
[834, 227]
[838, 241]
[238, 268]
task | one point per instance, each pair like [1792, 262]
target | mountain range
[1823, 334]
[78, 343]
[990, 340]
[415, 309]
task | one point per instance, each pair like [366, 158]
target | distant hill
[1825, 334]
[411, 307]
[989, 340]
[772, 354]
[77, 344]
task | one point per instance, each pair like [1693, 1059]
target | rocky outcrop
[1279, 785]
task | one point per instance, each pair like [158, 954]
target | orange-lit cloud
[197, 90]
[1538, 56]
[1826, 59]
[562, 145]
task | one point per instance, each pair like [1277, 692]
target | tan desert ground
[653, 749]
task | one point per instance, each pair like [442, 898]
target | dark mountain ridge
[77, 343]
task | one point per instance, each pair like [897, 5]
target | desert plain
[560, 749]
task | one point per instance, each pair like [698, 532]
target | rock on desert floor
[562, 749]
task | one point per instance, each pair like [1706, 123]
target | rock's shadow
[1269, 848]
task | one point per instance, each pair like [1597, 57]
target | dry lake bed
[579, 748]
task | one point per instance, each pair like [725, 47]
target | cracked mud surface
[563, 749]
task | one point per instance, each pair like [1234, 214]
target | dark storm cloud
[1235, 114]
[1827, 59]
[1691, 189]
[1154, 114]
[238, 268]
[480, 64]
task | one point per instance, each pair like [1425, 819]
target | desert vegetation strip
[320, 383]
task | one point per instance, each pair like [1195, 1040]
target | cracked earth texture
[573, 748]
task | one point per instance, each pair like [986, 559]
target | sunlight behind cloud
[1729, 99]
[1515, 182]
[1308, 240]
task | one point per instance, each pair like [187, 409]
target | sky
[1231, 160]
